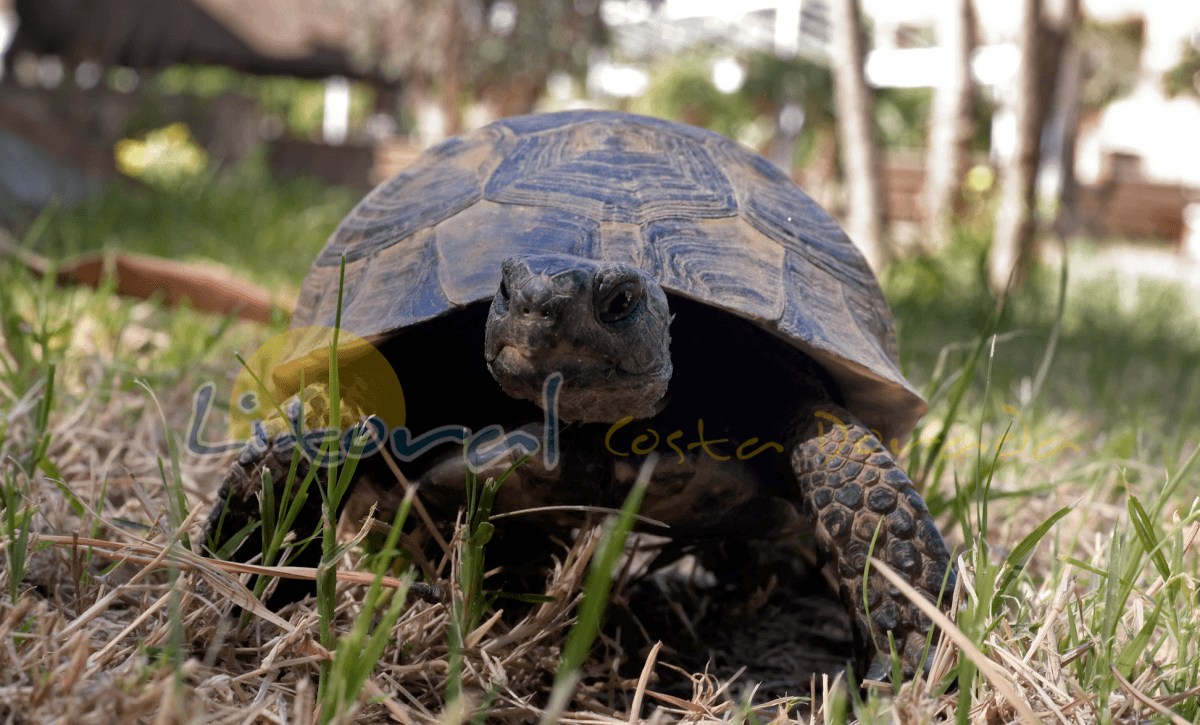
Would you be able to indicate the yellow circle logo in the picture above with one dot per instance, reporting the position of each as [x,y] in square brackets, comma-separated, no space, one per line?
[367,383]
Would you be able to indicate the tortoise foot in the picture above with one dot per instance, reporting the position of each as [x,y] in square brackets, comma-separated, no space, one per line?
[268,452]
[861,503]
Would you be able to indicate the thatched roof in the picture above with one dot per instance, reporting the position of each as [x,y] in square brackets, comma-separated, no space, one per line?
[306,38]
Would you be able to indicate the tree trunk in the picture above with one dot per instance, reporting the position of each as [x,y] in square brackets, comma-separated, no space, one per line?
[1062,102]
[1014,218]
[856,127]
[1071,79]
[1042,41]
[452,73]
[953,121]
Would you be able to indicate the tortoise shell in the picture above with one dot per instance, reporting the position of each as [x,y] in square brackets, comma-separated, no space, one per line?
[709,219]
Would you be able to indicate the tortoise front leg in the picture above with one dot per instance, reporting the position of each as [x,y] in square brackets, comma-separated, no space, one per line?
[855,493]
[695,495]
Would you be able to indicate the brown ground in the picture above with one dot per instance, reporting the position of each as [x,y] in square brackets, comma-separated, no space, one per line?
[88,649]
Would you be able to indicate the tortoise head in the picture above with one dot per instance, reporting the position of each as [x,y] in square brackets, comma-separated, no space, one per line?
[602,325]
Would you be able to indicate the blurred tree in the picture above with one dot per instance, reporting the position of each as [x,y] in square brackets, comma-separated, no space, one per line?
[681,88]
[903,117]
[860,153]
[1185,77]
[774,83]
[419,42]
[1043,38]
[527,41]
[953,121]
[1061,134]
[498,51]
[1100,64]
[1113,59]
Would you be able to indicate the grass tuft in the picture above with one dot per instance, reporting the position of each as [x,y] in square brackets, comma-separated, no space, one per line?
[1062,452]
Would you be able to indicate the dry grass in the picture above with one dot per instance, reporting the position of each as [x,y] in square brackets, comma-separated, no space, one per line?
[86,643]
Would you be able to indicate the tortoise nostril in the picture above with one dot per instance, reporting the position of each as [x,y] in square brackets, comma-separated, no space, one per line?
[524,310]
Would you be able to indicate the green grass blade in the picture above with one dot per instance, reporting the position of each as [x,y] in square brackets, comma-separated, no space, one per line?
[358,652]
[595,595]
[1055,331]
[1174,482]
[72,500]
[1135,648]
[957,395]
[18,552]
[1016,561]
[1144,528]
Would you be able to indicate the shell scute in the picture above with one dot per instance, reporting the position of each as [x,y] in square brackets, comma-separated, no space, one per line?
[472,245]
[618,171]
[442,182]
[718,260]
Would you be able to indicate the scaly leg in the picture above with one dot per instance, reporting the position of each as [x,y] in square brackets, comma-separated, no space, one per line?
[855,493]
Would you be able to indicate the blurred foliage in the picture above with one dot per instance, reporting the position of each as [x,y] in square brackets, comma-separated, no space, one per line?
[501,49]
[985,109]
[902,116]
[266,230]
[409,39]
[1114,57]
[165,156]
[1126,344]
[298,104]
[682,88]
[1184,78]
[531,38]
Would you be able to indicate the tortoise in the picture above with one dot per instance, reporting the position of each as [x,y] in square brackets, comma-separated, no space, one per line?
[670,290]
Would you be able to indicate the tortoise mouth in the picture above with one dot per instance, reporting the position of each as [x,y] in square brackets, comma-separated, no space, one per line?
[516,367]
[513,363]
[594,388]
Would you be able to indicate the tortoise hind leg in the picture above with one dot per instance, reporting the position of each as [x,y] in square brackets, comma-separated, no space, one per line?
[237,505]
[855,494]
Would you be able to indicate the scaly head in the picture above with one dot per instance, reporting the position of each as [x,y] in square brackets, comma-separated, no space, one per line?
[603,325]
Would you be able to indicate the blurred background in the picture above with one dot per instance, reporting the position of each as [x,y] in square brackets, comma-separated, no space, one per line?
[243,130]
[1023,175]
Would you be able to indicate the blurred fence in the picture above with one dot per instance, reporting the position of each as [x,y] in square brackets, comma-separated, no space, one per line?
[1121,204]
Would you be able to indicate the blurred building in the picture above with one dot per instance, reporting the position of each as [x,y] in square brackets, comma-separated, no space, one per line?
[72,64]
[71,68]
[302,38]
[75,65]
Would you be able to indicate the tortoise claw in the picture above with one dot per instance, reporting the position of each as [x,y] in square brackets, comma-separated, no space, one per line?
[879,669]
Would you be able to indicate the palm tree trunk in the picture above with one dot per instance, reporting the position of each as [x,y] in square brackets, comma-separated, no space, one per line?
[1072,76]
[953,120]
[452,74]
[856,127]
[1043,42]
[1014,218]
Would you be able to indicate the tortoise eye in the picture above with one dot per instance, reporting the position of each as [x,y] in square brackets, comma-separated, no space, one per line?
[620,304]
[504,290]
